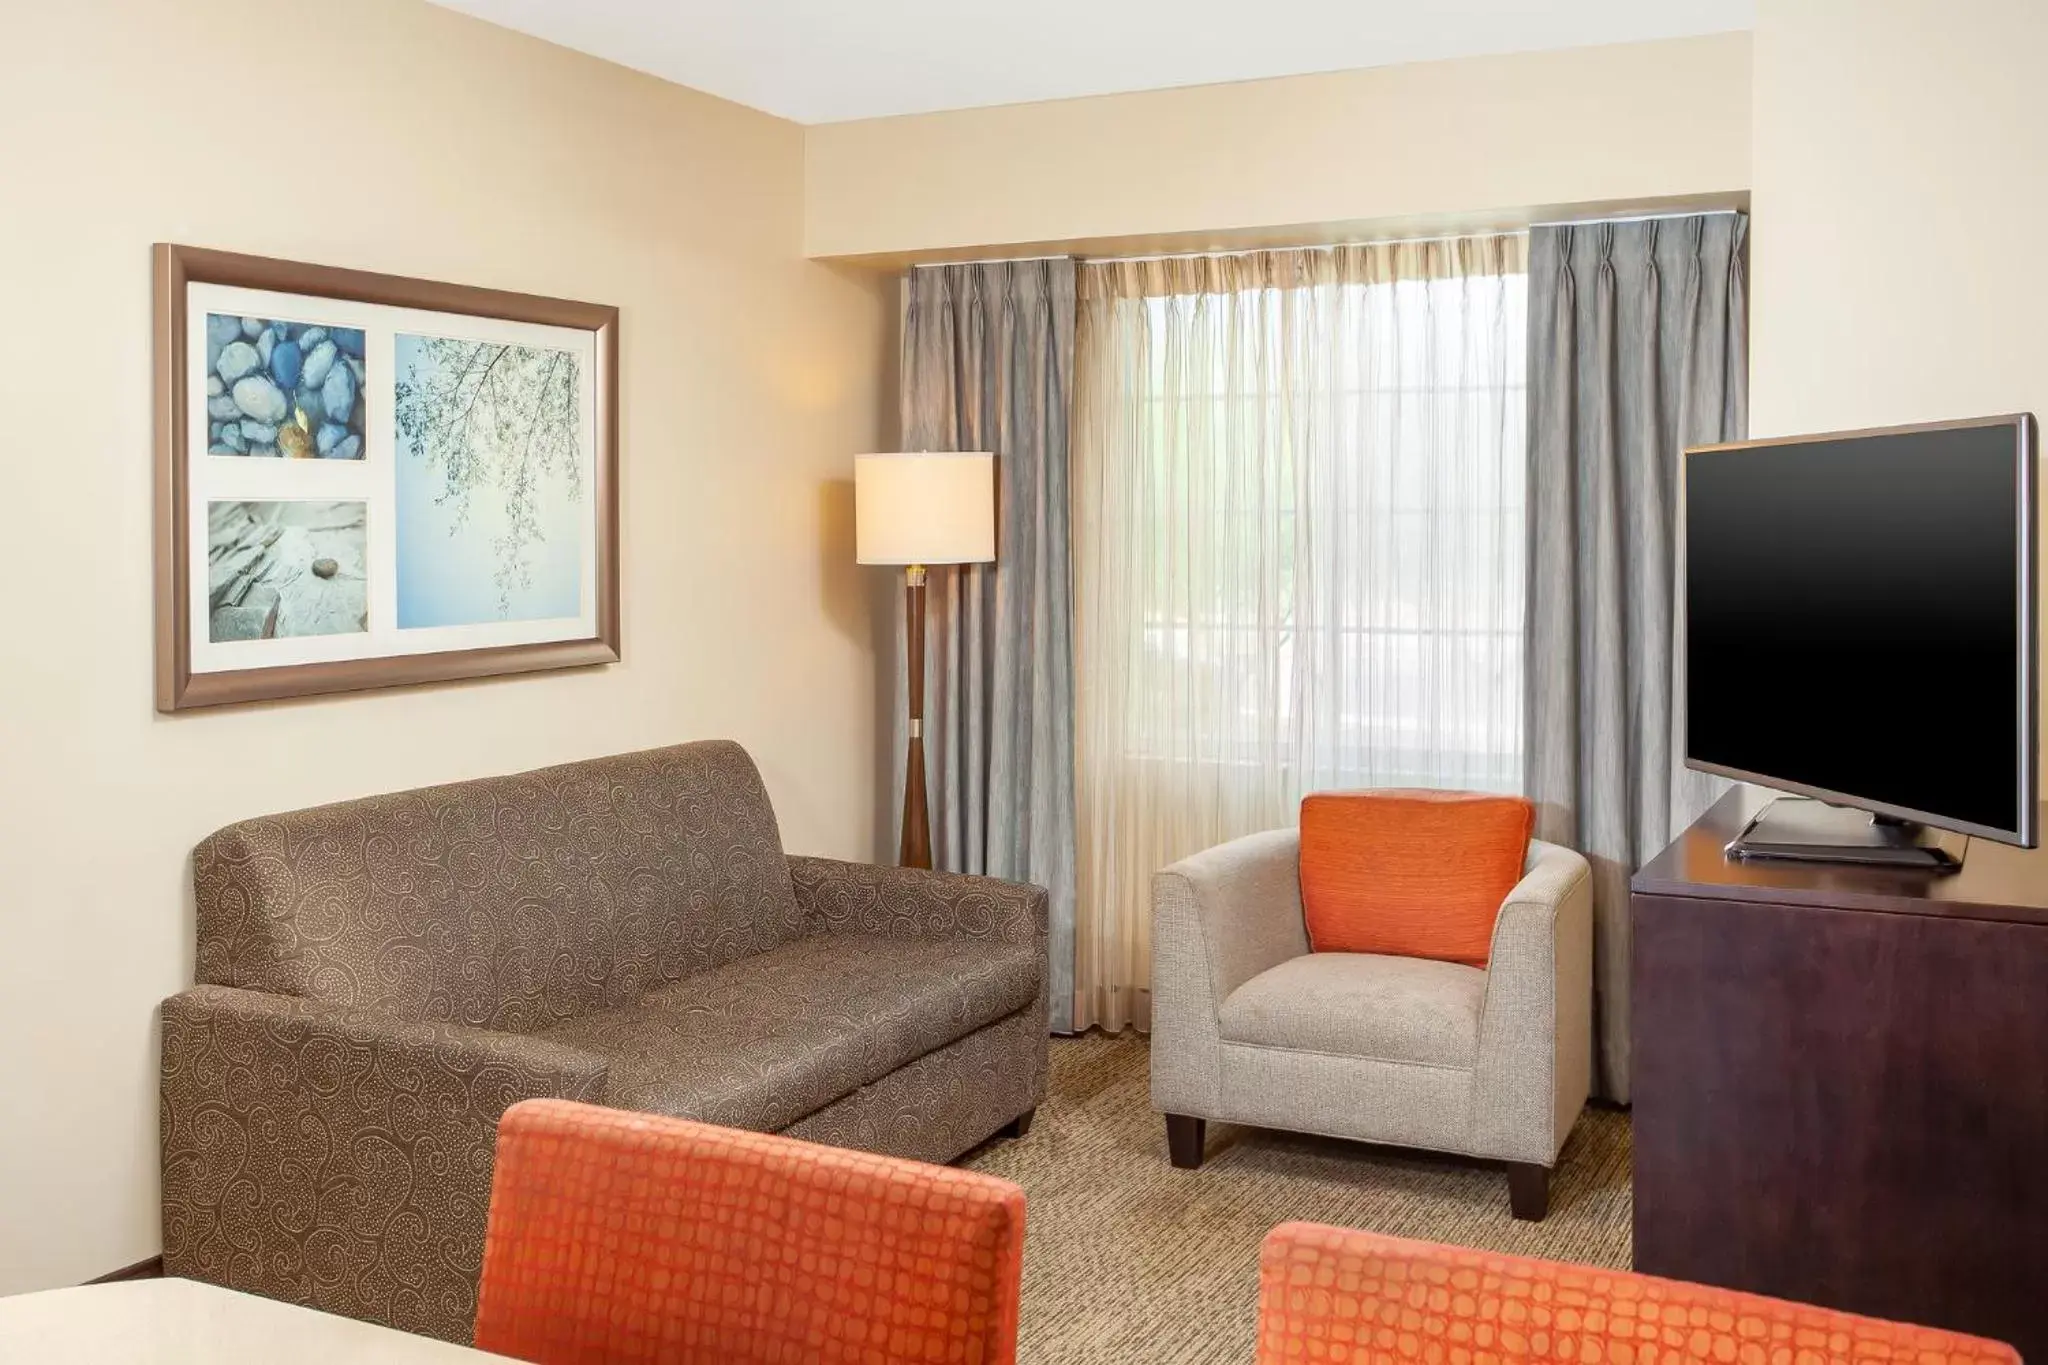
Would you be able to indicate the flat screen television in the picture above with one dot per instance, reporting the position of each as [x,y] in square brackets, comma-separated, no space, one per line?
[1860,629]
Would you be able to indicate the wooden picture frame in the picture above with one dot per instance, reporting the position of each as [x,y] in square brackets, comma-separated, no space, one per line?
[196,664]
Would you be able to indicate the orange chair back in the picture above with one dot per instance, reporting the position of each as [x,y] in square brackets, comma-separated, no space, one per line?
[626,1239]
[1334,1295]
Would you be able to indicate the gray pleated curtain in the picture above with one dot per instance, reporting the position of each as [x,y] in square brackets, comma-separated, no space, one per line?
[1638,349]
[988,363]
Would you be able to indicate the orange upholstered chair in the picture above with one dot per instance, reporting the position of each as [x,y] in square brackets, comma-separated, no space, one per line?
[1332,1295]
[627,1239]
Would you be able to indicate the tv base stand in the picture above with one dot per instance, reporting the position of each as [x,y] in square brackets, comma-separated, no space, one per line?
[1800,829]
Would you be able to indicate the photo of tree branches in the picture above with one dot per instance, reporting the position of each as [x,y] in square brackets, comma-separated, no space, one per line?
[491,449]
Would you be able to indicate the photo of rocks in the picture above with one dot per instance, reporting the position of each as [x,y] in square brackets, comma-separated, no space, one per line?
[283,389]
[286,568]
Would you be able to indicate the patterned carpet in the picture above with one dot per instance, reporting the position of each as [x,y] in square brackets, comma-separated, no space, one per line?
[1128,1260]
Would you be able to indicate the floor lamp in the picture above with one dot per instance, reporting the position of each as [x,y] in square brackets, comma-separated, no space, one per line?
[916,511]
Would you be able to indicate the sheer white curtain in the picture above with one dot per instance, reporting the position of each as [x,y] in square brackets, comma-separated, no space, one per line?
[1299,548]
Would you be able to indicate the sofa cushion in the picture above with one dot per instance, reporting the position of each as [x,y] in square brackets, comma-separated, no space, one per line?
[507,903]
[762,1042]
[1416,873]
[1397,1009]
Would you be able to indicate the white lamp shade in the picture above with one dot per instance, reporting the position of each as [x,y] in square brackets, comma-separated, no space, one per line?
[932,508]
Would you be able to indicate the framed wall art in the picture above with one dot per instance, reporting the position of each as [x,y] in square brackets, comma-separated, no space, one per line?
[365,481]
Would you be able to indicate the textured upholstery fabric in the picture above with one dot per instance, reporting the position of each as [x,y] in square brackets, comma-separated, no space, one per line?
[945,1102]
[508,903]
[1246,896]
[1334,1294]
[625,1239]
[633,934]
[1219,918]
[337,1157]
[1409,873]
[1400,1009]
[1232,913]
[1535,1032]
[764,1041]
[1371,1099]
[904,902]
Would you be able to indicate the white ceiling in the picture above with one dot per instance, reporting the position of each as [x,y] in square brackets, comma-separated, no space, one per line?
[820,61]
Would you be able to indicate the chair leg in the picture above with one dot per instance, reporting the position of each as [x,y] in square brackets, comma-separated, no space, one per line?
[1184,1138]
[1019,1126]
[1528,1190]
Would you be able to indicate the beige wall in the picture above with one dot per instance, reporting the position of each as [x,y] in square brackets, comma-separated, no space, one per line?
[389,135]
[1632,123]
[1899,204]
[1898,212]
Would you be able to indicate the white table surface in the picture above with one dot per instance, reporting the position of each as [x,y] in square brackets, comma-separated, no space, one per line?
[183,1322]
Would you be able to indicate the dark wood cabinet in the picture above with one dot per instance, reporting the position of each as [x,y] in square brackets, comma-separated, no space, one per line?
[1841,1081]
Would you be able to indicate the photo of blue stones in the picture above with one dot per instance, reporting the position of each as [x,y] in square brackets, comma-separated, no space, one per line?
[283,390]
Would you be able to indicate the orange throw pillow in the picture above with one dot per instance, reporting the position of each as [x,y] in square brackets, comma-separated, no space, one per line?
[1410,873]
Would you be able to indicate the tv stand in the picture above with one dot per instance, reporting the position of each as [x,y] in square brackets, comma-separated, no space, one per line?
[1841,1080]
[1800,829]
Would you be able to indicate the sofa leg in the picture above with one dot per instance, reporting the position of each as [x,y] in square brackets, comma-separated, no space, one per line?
[1528,1190]
[1184,1138]
[1019,1126]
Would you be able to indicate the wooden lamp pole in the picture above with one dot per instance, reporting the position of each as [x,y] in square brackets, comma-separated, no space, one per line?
[917,832]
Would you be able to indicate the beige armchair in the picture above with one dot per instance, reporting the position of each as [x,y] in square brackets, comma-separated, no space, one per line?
[1249,1026]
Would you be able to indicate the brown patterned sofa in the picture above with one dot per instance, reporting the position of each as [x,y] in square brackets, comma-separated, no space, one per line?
[381,979]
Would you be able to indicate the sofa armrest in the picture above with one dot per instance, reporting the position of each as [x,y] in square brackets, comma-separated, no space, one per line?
[1535,1025]
[1245,899]
[339,1157]
[1219,918]
[907,902]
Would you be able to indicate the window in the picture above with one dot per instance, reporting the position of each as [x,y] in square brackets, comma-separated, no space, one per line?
[1299,542]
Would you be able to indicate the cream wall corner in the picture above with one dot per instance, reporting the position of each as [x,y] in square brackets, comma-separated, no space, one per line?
[1625,124]
[1899,204]
[1898,213]
[393,136]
